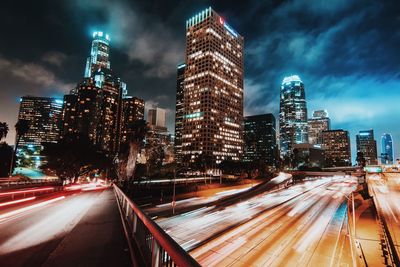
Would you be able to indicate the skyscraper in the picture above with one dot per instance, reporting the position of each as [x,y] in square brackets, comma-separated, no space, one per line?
[179,112]
[260,139]
[44,116]
[156,118]
[292,115]
[319,122]
[367,145]
[132,110]
[95,106]
[99,54]
[337,148]
[212,123]
[387,153]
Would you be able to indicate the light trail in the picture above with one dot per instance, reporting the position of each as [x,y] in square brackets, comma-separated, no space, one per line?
[9,215]
[26,191]
[16,201]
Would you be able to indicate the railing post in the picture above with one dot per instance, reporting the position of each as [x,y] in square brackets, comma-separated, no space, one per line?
[155,257]
[134,223]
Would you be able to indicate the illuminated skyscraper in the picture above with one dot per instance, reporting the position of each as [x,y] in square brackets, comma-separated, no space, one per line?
[99,54]
[387,153]
[132,110]
[260,139]
[292,115]
[212,122]
[367,145]
[319,122]
[179,112]
[44,116]
[95,106]
[337,148]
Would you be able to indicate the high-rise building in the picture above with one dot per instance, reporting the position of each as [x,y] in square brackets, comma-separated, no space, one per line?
[260,139]
[179,112]
[319,122]
[337,148]
[44,117]
[367,145]
[99,54]
[212,123]
[132,110]
[292,115]
[156,117]
[387,152]
[95,106]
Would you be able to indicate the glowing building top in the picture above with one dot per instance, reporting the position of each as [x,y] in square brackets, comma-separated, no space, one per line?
[99,53]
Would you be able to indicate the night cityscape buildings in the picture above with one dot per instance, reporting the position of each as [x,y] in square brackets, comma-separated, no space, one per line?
[319,122]
[99,105]
[44,117]
[337,148]
[367,145]
[212,123]
[260,139]
[292,114]
[387,152]
[179,111]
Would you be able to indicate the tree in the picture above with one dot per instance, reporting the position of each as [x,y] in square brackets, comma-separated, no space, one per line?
[6,152]
[126,161]
[21,127]
[3,130]
[73,156]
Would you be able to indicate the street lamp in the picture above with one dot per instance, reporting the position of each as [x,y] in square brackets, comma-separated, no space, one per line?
[176,170]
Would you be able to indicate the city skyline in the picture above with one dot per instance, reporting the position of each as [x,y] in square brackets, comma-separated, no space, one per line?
[59,64]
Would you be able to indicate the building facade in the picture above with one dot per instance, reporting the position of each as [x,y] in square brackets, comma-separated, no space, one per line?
[337,148]
[260,139]
[319,122]
[44,116]
[132,110]
[98,106]
[308,155]
[156,118]
[212,122]
[292,114]
[367,145]
[179,112]
[387,152]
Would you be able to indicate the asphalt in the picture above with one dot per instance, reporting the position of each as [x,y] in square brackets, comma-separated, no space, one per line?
[83,229]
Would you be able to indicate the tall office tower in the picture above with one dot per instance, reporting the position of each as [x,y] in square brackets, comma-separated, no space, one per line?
[292,114]
[319,122]
[44,116]
[367,145]
[179,112]
[157,117]
[94,107]
[99,54]
[212,123]
[337,148]
[387,152]
[132,110]
[260,139]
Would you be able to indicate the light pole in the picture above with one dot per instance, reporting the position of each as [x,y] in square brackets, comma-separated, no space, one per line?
[173,194]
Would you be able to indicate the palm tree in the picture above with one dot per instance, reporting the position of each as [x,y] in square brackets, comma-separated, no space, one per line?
[21,127]
[3,130]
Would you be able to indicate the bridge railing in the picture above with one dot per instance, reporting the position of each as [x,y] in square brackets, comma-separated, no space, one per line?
[156,248]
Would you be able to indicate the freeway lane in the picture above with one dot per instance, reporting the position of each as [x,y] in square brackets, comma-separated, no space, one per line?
[48,234]
[309,230]
[386,190]
[193,228]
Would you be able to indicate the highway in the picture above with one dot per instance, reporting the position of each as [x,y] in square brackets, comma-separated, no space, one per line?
[386,189]
[48,231]
[304,224]
[309,230]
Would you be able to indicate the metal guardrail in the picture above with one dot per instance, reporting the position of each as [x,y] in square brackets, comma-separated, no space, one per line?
[156,248]
[4,183]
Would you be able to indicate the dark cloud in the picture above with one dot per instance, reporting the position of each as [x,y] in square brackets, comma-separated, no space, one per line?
[345,51]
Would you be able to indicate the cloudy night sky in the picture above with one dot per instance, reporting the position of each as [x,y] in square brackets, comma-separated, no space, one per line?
[346,52]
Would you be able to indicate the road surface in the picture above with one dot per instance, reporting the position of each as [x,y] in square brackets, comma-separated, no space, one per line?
[309,230]
[81,229]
